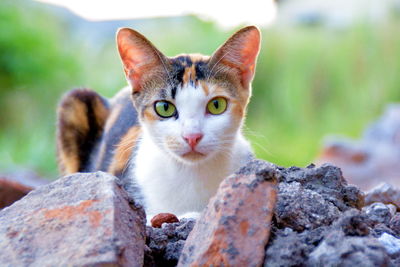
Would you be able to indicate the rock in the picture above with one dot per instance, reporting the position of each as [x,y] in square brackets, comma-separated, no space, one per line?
[394,224]
[372,159]
[161,218]
[300,208]
[11,191]
[390,243]
[235,226]
[381,228]
[378,212]
[392,209]
[78,220]
[353,239]
[291,248]
[14,186]
[353,223]
[328,182]
[384,193]
[340,250]
[312,197]
[165,244]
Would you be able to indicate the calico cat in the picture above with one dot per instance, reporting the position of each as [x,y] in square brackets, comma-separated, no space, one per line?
[175,133]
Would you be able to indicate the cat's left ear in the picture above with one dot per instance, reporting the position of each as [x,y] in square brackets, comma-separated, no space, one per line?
[141,59]
[240,53]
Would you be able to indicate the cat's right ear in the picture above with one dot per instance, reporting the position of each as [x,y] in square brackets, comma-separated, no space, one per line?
[140,58]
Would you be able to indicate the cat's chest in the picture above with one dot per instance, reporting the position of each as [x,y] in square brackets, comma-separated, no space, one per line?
[168,186]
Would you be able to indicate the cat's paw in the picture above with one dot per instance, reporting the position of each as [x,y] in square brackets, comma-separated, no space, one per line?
[193,214]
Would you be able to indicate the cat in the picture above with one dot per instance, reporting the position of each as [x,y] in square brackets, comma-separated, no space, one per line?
[174,133]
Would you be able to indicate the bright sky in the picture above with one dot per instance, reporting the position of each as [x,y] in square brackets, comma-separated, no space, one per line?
[226,13]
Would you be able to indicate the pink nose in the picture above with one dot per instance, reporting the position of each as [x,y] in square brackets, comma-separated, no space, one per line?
[193,139]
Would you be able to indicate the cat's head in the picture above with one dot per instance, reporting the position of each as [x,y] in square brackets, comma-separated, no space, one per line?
[191,105]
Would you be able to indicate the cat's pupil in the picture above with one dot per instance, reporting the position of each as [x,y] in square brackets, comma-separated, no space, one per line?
[166,106]
[216,104]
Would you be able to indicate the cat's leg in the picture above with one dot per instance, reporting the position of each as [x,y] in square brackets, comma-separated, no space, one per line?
[81,117]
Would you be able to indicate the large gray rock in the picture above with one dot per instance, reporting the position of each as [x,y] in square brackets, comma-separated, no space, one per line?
[78,220]
[166,243]
[311,197]
[348,251]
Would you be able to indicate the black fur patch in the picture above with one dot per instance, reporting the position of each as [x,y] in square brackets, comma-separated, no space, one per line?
[178,70]
[201,69]
[179,65]
[185,61]
[173,92]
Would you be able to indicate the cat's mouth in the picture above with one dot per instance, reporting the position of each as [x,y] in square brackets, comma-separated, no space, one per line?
[193,155]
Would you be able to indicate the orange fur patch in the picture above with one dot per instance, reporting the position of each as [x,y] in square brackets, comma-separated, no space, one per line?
[237,109]
[204,85]
[149,115]
[124,150]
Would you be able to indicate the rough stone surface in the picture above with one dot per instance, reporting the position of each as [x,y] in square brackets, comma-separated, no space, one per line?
[234,228]
[165,244]
[372,159]
[339,250]
[385,193]
[78,220]
[348,241]
[390,243]
[11,191]
[291,248]
[311,197]
[320,220]
[394,224]
[378,212]
[300,208]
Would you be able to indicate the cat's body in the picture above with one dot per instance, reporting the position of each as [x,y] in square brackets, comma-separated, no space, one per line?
[181,136]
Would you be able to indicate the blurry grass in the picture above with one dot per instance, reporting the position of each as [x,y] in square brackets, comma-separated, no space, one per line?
[310,82]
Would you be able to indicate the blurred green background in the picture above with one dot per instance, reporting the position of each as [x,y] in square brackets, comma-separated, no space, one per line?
[311,80]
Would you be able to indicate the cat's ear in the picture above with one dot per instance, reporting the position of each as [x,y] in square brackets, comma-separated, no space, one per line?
[140,58]
[240,53]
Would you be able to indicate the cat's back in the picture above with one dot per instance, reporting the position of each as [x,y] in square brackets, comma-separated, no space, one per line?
[94,133]
[121,131]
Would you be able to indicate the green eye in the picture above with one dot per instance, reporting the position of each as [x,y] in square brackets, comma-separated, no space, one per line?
[217,105]
[165,109]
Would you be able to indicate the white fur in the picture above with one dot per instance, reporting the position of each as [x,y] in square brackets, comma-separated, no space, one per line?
[169,182]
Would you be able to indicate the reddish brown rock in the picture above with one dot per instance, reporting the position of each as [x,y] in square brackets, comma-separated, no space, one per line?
[161,218]
[11,191]
[78,220]
[15,185]
[235,227]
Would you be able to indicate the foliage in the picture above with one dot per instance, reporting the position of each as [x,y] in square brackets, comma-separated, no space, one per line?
[35,66]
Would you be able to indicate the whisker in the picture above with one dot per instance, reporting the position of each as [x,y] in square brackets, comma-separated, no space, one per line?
[216,63]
